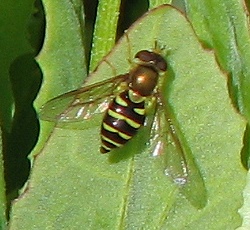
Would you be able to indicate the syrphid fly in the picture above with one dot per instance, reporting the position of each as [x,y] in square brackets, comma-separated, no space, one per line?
[124,100]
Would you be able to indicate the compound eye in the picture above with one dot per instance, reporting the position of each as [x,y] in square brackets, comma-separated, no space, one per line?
[145,56]
[161,64]
[152,59]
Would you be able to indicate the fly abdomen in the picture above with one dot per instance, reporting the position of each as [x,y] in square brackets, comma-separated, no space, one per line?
[125,115]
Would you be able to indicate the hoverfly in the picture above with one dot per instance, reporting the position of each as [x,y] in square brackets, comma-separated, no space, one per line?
[124,99]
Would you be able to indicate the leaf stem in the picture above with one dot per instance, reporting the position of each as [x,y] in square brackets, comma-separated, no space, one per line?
[105,30]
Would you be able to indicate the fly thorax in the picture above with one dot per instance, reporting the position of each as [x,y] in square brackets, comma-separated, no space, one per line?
[144,80]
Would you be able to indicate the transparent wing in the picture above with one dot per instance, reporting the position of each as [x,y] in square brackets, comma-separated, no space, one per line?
[167,141]
[84,102]
[164,142]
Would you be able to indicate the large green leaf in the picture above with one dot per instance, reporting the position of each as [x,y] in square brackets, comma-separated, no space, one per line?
[231,42]
[72,186]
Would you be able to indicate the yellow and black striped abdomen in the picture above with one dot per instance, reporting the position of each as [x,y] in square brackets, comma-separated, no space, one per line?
[125,115]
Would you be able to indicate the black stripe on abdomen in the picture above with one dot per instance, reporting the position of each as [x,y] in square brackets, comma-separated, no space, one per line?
[120,122]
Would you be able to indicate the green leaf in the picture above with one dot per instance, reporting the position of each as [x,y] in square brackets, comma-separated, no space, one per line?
[19,83]
[244,211]
[230,40]
[104,40]
[63,56]
[2,190]
[59,57]
[13,43]
[72,186]
[156,3]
